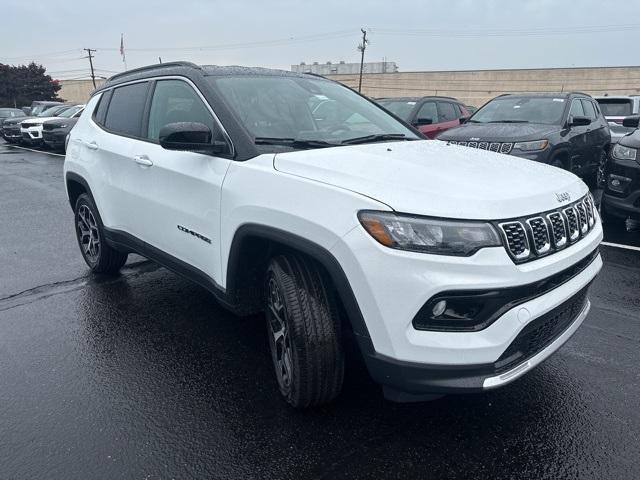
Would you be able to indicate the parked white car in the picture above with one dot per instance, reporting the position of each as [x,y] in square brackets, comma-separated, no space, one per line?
[31,129]
[456,270]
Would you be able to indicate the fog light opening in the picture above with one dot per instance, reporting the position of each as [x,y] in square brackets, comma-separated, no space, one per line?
[439,308]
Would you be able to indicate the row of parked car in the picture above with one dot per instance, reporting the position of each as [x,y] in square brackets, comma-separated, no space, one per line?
[591,137]
[594,138]
[43,124]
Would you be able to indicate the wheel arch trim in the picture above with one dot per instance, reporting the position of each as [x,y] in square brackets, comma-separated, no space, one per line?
[313,250]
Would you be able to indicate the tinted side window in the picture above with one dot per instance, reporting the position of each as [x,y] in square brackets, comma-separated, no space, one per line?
[428,110]
[589,111]
[576,109]
[175,101]
[126,109]
[101,109]
[447,112]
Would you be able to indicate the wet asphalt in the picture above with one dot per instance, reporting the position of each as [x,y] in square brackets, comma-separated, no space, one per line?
[145,376]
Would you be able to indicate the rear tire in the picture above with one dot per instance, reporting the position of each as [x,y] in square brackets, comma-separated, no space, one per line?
[100,256]
[303,326]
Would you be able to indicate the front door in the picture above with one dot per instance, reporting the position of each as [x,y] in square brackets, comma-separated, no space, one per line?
[181,190]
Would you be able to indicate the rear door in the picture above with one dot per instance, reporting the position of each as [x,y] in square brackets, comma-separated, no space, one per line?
[178,192]
[113,146]
[598,135]
[448,116]
[427,111]
[579,147]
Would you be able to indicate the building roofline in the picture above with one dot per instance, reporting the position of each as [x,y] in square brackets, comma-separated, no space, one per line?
[472,70]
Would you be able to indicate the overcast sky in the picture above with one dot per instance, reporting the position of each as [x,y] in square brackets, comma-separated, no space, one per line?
[427,35]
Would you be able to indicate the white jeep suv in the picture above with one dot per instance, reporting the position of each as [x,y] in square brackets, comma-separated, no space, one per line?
[455,270]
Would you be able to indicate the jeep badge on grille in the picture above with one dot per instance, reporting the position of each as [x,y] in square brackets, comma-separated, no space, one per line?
[563,197]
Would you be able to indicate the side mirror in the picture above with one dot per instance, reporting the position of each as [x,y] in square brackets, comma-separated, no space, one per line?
[422,121]
[463,120]
[189,136]
[579,121]
[631,122]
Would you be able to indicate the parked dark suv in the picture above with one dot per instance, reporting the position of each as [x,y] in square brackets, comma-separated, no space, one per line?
[430,115]
[621,199]
[566,130]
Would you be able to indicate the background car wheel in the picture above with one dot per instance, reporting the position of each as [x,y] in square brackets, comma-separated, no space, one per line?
[100,257]
[304,331]
[598,178]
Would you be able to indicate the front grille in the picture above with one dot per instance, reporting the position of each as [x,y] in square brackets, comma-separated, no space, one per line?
[28,125]
[491,146]
[48,126]
[542,331]
[532,237]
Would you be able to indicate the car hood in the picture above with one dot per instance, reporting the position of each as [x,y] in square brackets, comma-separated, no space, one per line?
[40,120]
[56,122]
[499,132]
[437,179]
[16,120]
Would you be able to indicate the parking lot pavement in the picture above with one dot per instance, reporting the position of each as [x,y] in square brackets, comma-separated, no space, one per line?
[145,376]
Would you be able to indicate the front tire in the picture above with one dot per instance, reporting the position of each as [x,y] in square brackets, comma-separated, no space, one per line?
[303,326]
[100,257]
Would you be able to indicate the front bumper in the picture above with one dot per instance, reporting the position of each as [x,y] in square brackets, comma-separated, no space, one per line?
[624,200]
[391,286]
[54,138]
[12,133]
[32,134]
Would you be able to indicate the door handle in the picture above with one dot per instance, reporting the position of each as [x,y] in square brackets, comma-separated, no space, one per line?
[91,145]
[143,160]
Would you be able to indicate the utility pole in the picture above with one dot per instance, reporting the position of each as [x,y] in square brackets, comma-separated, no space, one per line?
[90,57]
[362,47]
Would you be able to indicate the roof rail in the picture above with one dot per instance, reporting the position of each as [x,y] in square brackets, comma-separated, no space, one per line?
[153,67]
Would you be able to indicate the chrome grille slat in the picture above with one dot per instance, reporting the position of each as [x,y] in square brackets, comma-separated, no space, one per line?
[540,233]
[506,147]
[582,218]
[558,228]
[516,236]
[497,147]
[531,237]
[483,145]
[494,147]
[473,144]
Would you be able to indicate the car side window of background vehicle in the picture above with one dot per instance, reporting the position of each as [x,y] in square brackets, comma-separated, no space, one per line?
[447,112]
[427,114]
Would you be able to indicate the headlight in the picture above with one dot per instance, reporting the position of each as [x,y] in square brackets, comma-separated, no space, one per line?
[429,235]
[531,146]
[624,153]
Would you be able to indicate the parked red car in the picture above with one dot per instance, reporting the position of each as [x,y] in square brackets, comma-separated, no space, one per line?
[430,115]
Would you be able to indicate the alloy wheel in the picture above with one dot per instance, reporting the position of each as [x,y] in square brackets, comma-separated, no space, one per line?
[88,234]
[279,338]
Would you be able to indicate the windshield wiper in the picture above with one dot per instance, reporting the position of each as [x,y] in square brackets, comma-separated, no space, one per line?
[509,121]
[380,137]
[294,142]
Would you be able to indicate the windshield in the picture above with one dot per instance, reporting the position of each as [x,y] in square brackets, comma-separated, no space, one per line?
[544,110]
[7,113]
[401,108]
[615,107]
[52,111]
[71,111]
[302,109]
